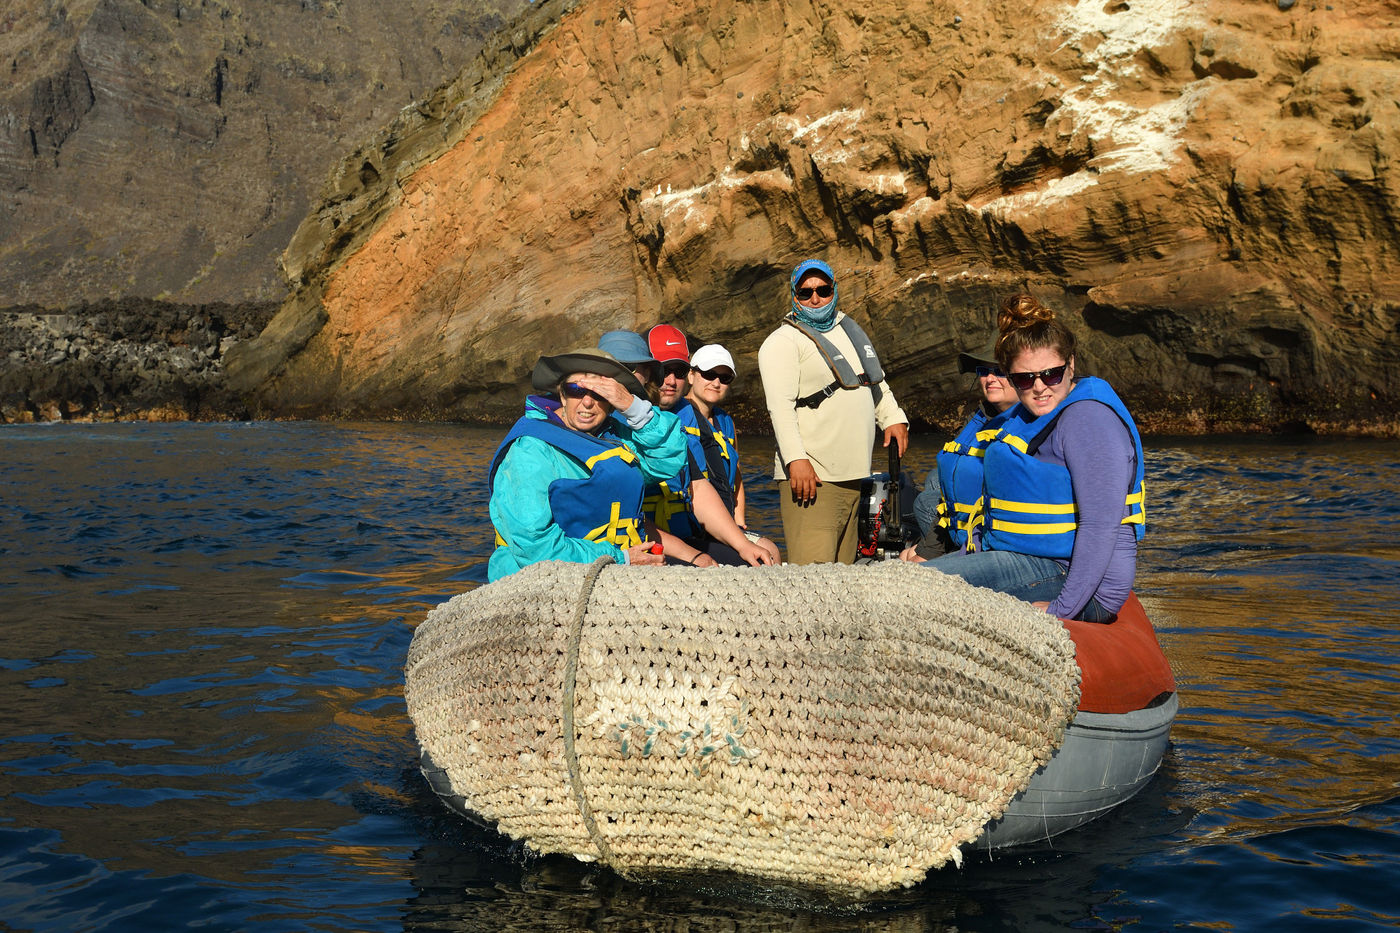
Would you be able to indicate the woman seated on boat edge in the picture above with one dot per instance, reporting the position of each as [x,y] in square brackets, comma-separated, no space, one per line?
[948,510]
[685,512]
[566,483]
[713,439]
[1062,480]
[633,351]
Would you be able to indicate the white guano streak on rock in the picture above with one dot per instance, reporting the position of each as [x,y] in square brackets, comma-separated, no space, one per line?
[684,203]
[1131,140]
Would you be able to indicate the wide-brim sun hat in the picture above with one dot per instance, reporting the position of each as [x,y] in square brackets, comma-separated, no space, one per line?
[552,370]
[969,360]
[711,355]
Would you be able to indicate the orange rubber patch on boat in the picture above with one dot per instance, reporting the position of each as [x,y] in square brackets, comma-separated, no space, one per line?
[1123,666]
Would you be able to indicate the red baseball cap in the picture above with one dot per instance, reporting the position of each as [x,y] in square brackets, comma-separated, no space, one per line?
[667,343]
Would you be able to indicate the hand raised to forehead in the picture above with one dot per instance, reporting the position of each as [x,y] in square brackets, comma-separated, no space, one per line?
[605,387]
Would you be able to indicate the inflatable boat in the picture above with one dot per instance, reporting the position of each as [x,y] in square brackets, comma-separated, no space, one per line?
[845,729]
[1115,742]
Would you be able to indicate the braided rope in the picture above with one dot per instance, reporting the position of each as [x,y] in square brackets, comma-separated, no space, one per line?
[840,727]
[567,710]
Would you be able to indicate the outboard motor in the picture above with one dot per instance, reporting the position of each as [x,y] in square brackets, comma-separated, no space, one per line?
[886,522]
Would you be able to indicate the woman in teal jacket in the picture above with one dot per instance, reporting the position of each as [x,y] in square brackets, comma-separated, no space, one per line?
[567,481]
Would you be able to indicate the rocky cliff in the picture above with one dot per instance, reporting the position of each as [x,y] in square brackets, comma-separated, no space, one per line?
[155,158]
[1206,190]
[167,149]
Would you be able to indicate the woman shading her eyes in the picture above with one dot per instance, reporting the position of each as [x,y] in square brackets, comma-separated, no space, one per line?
[567,481]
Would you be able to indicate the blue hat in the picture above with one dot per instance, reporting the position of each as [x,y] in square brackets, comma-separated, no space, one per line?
[626,346]
[808,266]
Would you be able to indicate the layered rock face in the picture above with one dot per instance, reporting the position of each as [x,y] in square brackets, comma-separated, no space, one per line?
[167,149]
[1205,191]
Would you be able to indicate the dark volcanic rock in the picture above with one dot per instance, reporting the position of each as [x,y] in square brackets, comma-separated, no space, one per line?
[121,360]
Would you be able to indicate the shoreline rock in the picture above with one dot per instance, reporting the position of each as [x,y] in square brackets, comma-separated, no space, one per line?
[126,359]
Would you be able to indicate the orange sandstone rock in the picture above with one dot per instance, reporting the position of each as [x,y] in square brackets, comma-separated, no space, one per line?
[1204,190]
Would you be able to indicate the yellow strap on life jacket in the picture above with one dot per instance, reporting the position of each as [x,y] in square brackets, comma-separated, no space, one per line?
[620,531]
[664,504]
[1033,508]
[1022,528]
[723,444]
[1017,442]
[1138,499]
[976,517]
[621,452]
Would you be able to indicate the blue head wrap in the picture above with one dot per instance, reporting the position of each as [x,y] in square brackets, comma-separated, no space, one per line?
[820,319]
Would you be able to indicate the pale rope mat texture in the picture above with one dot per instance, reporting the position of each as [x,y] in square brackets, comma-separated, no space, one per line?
[840,727]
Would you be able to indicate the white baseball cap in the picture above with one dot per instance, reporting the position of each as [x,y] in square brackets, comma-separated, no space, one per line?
[711,355]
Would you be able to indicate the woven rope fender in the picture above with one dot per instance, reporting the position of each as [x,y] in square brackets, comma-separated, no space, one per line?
[840,727]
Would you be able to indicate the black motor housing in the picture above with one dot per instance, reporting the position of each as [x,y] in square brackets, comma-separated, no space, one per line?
[887,524]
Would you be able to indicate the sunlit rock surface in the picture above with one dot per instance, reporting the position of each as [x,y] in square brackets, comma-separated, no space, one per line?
[1205,190]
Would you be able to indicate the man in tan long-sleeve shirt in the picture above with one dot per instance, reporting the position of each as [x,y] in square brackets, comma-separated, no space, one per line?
[826,396]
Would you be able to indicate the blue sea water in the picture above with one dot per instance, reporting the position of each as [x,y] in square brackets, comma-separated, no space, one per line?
[203,727]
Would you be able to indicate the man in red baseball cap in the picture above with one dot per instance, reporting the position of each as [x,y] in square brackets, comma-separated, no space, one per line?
[668,347]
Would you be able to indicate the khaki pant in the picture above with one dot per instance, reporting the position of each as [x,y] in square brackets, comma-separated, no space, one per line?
[825,530]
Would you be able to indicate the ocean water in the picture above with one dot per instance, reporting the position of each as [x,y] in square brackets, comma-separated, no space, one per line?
[203,727]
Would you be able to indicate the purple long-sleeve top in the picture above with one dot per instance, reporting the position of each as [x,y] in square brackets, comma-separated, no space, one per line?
[1095,445]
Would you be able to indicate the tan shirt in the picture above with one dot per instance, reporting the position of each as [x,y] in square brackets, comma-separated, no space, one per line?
[838,437]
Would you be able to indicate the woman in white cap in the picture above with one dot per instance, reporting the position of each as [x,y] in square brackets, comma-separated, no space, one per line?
[567,481]
[714,445]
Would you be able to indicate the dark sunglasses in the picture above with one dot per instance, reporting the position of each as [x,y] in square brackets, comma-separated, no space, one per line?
[1051,377]
[675,368]
[574,390]
[985,371]
[645,372]
[821,291]
[710,375]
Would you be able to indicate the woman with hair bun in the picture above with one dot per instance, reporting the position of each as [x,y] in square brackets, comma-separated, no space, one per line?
[1062,480]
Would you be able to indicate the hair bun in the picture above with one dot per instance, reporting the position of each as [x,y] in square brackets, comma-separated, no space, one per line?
[1020,311]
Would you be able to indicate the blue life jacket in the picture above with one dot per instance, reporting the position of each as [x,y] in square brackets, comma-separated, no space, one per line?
[1030,505]
[960,505]
[606,505]
[668,505]
[714,444]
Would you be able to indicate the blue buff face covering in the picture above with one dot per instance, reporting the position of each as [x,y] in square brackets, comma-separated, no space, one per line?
[820,319]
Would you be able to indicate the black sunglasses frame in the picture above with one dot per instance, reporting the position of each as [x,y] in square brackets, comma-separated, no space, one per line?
[1051,377]
[985,371]
[574,390]
[713,374]
[821,291]
[677,368]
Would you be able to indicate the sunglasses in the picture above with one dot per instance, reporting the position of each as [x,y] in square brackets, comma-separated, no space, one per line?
[574,390]
[675,368]
[710,375]
[821,291]
[1051,377]
[984,371]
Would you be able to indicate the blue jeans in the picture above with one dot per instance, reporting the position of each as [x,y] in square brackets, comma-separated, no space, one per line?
[926,503]
[1033,579]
